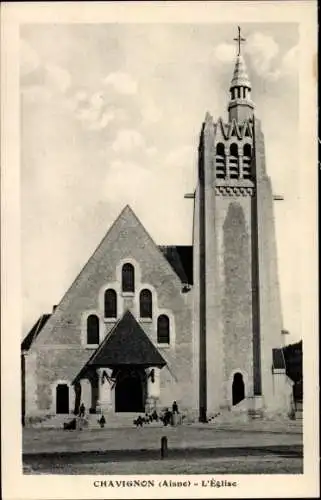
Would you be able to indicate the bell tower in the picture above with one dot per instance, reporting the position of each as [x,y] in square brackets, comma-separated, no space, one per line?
[237,309]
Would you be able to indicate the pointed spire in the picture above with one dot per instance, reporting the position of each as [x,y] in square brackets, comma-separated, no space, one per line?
[240,76]
[240,106]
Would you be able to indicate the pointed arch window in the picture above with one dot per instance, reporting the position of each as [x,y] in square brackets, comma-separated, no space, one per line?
[110,303]
[128,278]
[146,304]
[234,161]
[247,157]
[220,161]
[92,330]
[163,331]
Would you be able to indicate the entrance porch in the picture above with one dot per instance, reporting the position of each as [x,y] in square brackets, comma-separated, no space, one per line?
[126,389]
[122,375]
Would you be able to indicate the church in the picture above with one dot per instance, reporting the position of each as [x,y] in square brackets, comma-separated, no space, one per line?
[144,325]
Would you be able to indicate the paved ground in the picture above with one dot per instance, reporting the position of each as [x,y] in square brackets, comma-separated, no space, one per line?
[265,464]
[191,450]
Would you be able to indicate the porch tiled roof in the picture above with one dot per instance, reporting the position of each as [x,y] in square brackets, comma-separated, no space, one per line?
[127,344]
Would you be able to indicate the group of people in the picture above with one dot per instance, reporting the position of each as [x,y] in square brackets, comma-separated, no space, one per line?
[166,417]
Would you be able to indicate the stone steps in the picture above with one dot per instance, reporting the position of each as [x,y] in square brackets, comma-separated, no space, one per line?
[113,420]
[117,420]
[54,421]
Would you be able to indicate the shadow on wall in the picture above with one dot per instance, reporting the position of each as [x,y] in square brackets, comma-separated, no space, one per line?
[237,266]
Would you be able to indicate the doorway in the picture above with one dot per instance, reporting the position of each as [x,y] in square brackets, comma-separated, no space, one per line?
[238,391]
[130,391]
[62,398]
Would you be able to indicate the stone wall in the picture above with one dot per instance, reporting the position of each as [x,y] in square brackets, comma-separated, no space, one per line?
[60,349]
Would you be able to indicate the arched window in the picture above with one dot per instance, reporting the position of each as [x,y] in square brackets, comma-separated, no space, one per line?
[128,278]
[247,150]
[220,149]
[163,329]
[247,155]
[146,304]
[220,161]
[234,150]
[110,304]
[92,330]
[62,398]
[234,161]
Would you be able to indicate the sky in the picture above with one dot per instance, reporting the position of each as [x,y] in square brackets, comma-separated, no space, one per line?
[111,115]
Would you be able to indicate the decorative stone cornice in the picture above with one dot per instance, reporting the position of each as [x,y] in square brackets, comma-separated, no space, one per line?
[234,190]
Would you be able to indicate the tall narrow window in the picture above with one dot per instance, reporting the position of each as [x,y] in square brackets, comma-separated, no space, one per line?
[220,161]
[146,304]
[92,330]
[110,304]
[128,278]
[163,329]
[234,161]
[247,157]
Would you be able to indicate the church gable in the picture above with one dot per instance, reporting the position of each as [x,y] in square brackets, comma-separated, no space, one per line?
[247,129]
[234,131]
[221,132]
[126,243]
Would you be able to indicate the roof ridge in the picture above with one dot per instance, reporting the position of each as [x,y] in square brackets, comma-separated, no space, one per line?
[145,353]
[96,351]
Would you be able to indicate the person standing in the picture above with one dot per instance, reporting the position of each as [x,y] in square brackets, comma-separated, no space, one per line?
[82,410]
[174,407]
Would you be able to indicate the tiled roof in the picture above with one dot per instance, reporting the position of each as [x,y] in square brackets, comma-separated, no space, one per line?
[34,332]
[181,260]
[126,344]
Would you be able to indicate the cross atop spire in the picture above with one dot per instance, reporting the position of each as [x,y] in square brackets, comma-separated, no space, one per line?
[240,106]
[239,40]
